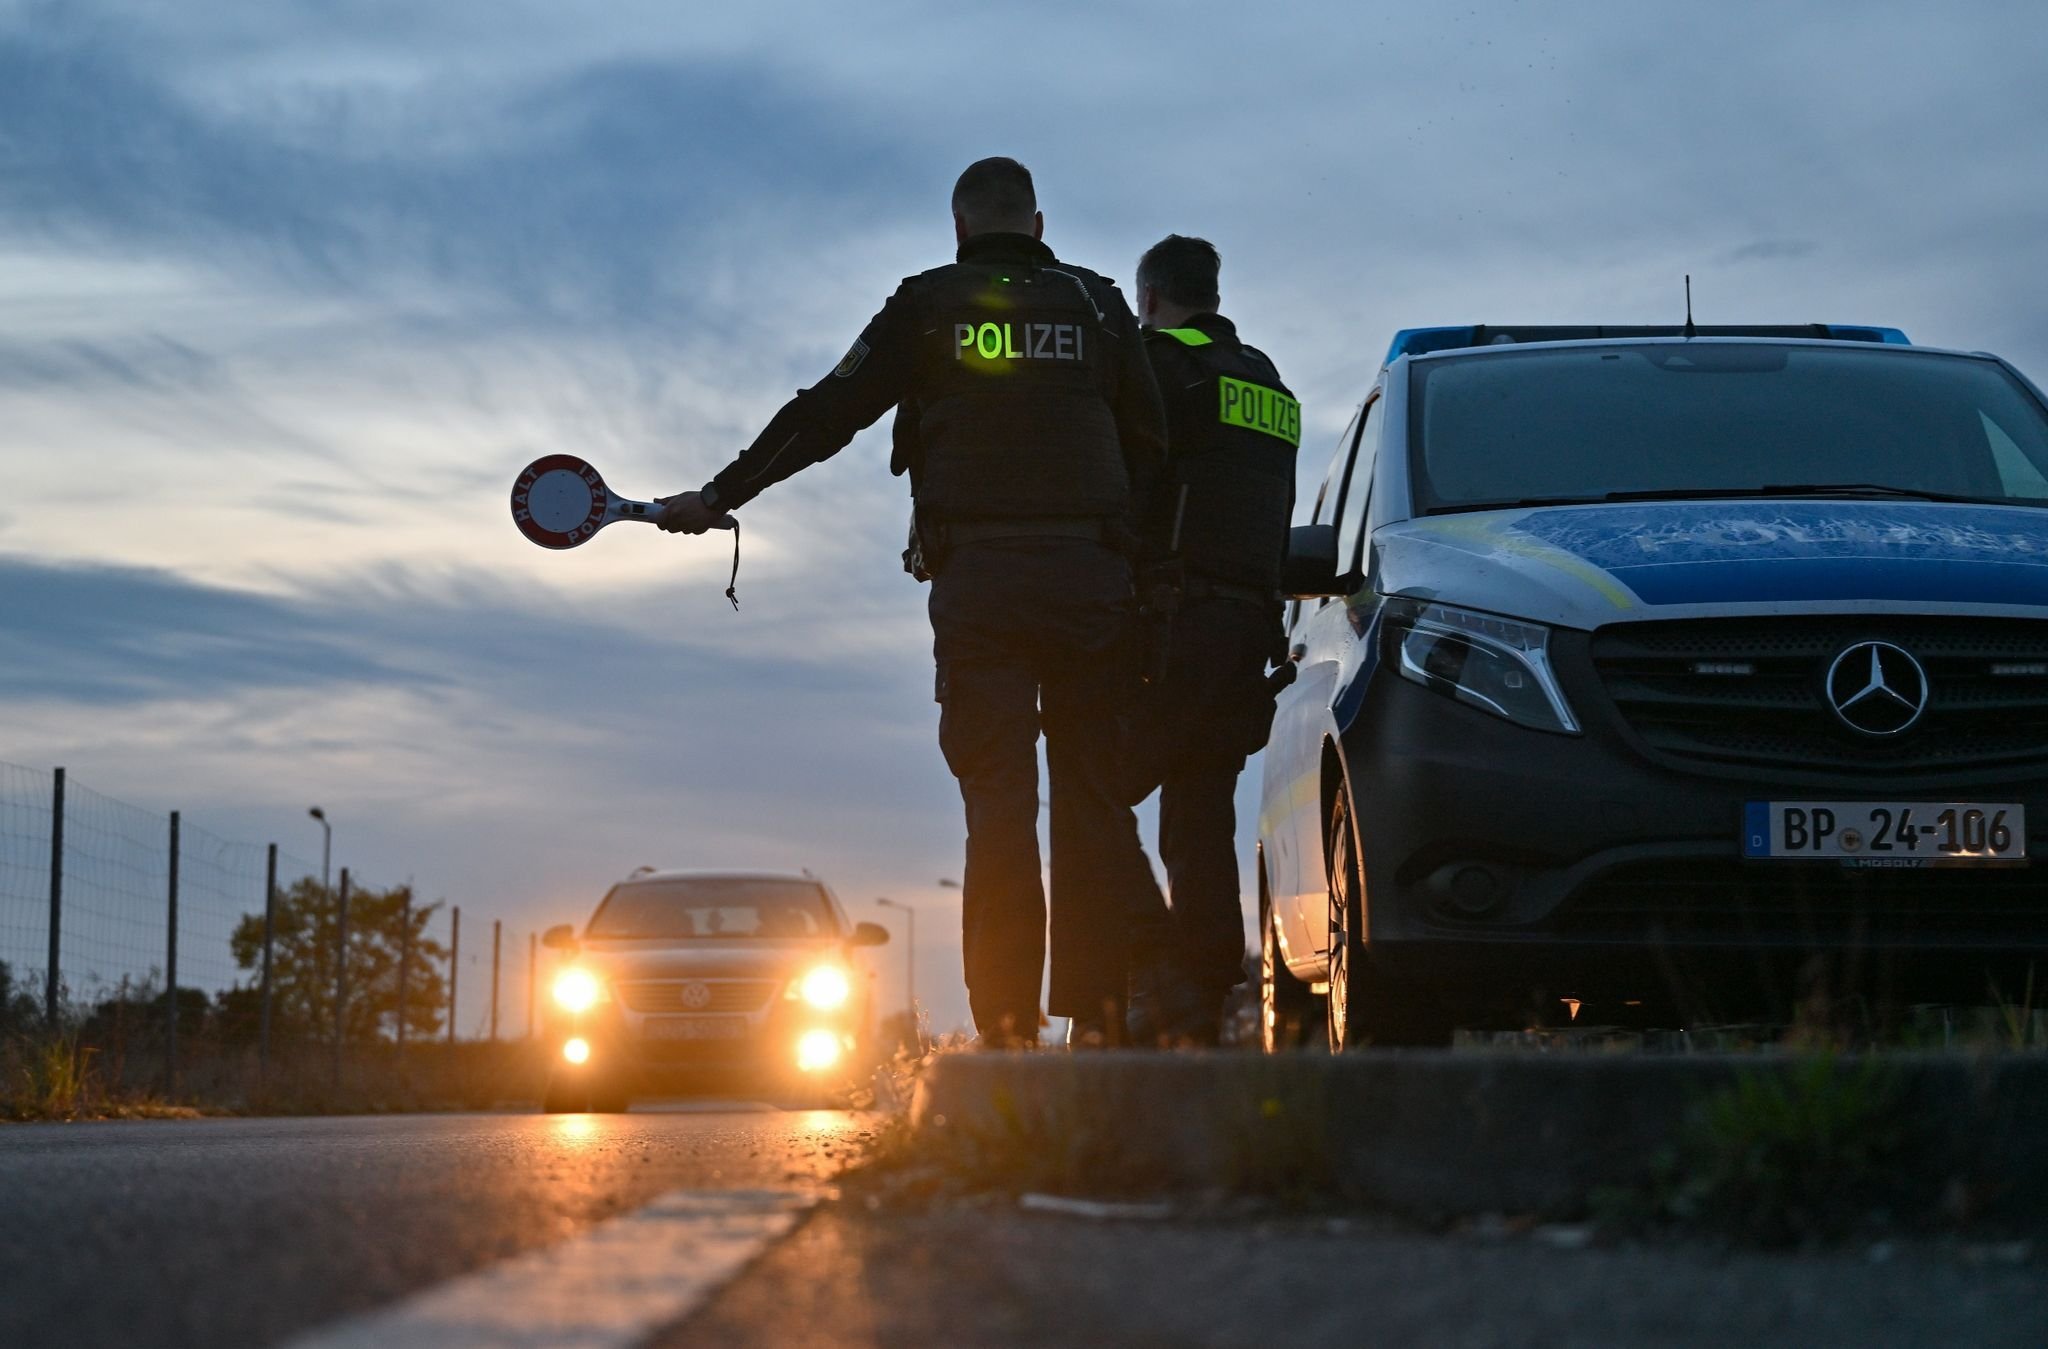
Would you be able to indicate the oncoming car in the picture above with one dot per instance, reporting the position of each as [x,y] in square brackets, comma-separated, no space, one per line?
[678,972]
[1674,674]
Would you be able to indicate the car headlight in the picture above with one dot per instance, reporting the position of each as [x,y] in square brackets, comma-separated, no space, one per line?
[825,988]
[1497,665]
[578,990]
[818,1050]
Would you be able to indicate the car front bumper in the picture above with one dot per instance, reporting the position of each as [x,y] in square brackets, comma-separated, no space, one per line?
[1499,859]
[646,1049]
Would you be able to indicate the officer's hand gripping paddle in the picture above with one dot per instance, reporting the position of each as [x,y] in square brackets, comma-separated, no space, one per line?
[560,501]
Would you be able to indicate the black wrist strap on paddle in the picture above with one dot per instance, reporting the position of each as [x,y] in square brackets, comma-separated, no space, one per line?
[732,585]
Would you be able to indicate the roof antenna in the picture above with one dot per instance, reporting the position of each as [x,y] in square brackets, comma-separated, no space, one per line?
[1690,330]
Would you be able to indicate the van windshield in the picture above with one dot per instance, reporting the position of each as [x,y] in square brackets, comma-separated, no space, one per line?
[715,908]
[1721,419]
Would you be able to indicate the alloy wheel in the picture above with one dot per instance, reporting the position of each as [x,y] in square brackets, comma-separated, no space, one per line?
[1343,913]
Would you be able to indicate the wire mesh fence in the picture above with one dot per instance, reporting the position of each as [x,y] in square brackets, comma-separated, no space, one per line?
[172,943]
[221,885]
[25,800]
[116,882]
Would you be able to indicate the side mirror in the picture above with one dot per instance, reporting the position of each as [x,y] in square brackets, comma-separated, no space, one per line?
[1309,570]
[868,934]
[560,937]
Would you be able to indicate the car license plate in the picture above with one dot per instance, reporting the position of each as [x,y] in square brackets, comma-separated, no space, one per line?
[696,1027]
[1886,833]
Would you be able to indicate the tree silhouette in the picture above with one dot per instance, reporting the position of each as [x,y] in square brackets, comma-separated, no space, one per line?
[303,962]
[18,1007]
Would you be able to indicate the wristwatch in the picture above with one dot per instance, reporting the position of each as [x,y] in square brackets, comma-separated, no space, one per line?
[710,495]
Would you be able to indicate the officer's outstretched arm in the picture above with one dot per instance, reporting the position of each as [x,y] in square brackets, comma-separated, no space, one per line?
[818,422]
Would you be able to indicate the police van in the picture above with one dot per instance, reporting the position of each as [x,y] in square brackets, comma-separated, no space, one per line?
[1659,673]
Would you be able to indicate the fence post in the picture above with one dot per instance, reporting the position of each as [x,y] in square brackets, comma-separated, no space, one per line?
[171,971]
[532,978]
[497,932]
[341,978]
[454,970]
[51,980]
[404,964]
[269,936]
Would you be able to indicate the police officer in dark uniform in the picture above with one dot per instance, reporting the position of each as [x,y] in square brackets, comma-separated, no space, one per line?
[1215,532]
[1030,425]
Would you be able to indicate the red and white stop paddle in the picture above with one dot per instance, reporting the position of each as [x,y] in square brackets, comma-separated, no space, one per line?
[560,501]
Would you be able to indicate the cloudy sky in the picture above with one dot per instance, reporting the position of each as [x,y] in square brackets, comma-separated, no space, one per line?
[289,292]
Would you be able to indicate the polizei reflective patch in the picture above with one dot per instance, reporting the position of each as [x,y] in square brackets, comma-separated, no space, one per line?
[1258,408]
[854,356]
[1018,341]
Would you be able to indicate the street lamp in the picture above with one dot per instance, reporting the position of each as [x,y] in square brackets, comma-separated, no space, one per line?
[948,883]
[909,956]
[326,842]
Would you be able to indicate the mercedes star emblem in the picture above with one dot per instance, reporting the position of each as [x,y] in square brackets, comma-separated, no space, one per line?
[1877,688]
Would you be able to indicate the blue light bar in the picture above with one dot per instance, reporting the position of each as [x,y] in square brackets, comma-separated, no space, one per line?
[1421,341]
[1417,341]
[1852,332]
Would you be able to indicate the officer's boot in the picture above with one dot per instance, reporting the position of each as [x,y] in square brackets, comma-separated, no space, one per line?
[1169,1007]
[1200,1024]
[1099,1030]
[1016,1030]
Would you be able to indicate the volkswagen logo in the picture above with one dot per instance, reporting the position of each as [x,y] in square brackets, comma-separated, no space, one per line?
[696,995]
[1877,688]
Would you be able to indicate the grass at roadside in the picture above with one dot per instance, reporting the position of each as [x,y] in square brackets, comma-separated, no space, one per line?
[56,1075]
[2000,1026]
[1813,1152]
[1071,1142]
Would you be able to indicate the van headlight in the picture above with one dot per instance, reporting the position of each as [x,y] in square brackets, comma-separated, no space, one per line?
[826,988]
[1497,665]
[578,990]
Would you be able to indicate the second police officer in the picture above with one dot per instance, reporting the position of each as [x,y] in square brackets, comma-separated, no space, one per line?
[1030,425]
[1215,533]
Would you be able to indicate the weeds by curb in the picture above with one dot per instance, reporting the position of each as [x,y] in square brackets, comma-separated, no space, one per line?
[1806,1151]
[1770,1150]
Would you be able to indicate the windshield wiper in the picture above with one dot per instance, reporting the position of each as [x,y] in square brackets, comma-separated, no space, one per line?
[1795,489]
[1800,489]
[1459,507]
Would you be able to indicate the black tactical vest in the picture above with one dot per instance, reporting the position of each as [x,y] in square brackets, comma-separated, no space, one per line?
[1229,493]
[1012,416]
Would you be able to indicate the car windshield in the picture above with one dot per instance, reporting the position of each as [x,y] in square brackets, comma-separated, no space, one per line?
[715,907]
[1721,419]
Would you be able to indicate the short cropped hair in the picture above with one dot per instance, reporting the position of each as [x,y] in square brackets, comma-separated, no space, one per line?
[994,194]
[1183,270]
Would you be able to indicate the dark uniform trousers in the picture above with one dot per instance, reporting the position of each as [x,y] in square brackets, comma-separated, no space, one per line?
[1031,635]
[1213,709]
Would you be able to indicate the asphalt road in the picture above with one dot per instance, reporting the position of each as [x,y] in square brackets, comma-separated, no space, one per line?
[244,1232]
[997,1278]
[241,1232]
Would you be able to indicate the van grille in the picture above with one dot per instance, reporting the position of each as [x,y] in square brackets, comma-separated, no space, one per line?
[1987,679]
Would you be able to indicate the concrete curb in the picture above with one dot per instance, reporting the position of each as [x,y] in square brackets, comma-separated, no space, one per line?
[1445,1134]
